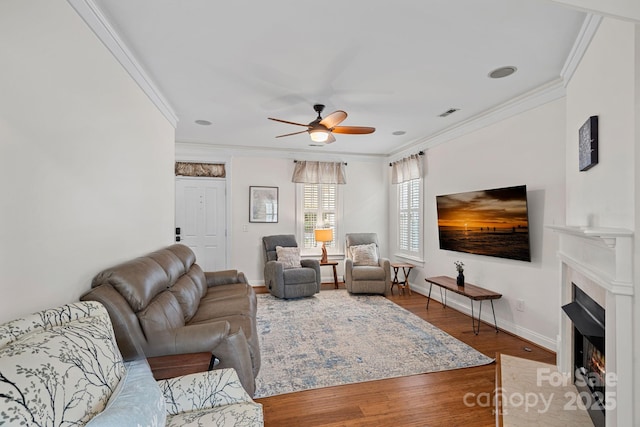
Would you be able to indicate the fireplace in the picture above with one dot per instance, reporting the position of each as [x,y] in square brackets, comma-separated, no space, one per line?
[589,364]
[598,262]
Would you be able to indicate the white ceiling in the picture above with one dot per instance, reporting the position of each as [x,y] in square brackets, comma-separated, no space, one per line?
[392,65]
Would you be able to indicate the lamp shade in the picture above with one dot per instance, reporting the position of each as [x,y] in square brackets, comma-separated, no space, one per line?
[323,234]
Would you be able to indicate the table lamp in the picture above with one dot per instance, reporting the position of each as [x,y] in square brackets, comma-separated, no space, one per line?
[323,235]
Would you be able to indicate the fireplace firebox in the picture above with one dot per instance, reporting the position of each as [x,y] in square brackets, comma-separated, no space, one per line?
[588,319]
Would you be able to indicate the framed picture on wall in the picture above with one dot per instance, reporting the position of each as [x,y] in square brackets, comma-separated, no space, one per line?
[263,204]
[588,144]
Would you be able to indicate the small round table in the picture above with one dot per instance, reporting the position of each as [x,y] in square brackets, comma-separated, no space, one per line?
[404,284]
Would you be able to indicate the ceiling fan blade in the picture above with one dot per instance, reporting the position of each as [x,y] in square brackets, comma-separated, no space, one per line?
[334,119]
[330,139]
[289,134]
[353,129]
[288,122]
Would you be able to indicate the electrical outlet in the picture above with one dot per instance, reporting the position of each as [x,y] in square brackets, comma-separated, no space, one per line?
[245,228]
[520,305]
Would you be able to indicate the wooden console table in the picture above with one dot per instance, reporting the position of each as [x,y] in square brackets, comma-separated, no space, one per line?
[473,292]
[335,273]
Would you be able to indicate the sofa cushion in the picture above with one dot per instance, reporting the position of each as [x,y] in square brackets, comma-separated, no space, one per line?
[224,300]
[138,281]
[170,263]
[364,254]
[197,275]
[162,314]
[188,295]
[137,401]
[58,365]
[289,257]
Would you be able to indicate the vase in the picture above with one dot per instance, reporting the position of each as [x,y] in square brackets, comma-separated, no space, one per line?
[460,279]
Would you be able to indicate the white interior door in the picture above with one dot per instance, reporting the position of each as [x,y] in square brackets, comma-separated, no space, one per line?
[201,219]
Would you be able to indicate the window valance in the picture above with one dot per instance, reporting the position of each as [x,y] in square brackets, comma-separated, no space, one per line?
[200,169]
[310,172]
[407,169]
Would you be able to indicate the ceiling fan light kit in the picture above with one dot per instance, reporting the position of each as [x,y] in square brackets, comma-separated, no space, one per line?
[321,130]
[319,135]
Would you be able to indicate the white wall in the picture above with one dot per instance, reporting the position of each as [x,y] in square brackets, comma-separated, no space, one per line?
[365,209]
[86,160]
[607,84]
[603,86]
[525,149]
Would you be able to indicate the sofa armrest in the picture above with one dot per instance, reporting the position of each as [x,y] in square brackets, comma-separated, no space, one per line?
[224,277]
[188,339]
[203,390]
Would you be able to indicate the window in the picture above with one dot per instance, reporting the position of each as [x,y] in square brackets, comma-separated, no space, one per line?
[410,218]
[318,206]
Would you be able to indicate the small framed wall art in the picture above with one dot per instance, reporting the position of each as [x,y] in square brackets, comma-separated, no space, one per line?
[588,144]
[263,204]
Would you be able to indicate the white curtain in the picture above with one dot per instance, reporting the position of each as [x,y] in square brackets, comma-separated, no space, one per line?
[319,173]
[406,169]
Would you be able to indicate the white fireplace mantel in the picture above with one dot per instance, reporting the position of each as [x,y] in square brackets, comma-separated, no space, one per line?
[599,261]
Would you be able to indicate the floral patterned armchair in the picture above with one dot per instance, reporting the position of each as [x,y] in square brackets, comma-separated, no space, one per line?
[62,367]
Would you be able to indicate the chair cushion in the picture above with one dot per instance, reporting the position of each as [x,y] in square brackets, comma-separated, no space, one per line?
[137,401]
[290,257]
[368,272]
[296,276]
[364,254]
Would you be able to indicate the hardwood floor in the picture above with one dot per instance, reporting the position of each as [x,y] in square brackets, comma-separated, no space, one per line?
[435,399]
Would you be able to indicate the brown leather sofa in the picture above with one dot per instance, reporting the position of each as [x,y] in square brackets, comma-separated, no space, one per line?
[163,304]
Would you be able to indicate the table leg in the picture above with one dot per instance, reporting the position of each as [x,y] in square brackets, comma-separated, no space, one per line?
[406,272]
[473,319]
[429,296]
[494,317]
[335,277]
[395,281]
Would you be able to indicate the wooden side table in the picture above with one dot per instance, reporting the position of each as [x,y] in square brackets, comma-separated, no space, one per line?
[473,292]
[404,284]
[335,274]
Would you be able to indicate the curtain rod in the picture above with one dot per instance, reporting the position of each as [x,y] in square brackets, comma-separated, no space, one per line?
[344,163]
[420,153]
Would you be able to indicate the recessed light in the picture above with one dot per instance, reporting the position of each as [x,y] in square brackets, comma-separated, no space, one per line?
[203,122]
[399,132]
[501,72]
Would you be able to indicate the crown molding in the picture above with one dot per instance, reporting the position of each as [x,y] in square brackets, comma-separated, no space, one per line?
[587,31]
[94,18]
[544,94]
[192,150]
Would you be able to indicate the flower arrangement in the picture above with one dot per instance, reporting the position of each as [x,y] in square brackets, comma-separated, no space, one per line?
[459,266]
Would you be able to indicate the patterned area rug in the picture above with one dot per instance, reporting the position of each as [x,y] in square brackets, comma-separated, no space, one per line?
[337,338]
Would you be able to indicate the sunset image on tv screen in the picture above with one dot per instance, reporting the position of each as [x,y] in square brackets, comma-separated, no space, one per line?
[488,222]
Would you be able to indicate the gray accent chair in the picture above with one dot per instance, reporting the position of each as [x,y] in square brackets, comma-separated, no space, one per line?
[366,279]
[290,282]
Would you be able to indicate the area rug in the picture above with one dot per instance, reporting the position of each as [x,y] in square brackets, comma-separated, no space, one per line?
[336,338]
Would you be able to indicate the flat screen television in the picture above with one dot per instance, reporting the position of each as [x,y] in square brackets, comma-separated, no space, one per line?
[489,222]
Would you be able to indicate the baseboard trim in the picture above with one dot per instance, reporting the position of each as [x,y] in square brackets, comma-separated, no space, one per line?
[487,317]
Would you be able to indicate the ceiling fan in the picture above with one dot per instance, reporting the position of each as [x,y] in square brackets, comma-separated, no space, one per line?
[321,130]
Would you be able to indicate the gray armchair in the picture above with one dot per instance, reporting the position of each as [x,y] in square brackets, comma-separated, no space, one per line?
[365,272]
[303,281]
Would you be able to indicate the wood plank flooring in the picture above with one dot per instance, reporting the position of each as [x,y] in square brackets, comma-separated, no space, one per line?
[435,399]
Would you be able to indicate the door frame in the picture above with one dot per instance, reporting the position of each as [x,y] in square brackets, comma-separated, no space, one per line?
[203,157]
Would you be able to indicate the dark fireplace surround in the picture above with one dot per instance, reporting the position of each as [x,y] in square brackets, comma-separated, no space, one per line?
[588,319]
